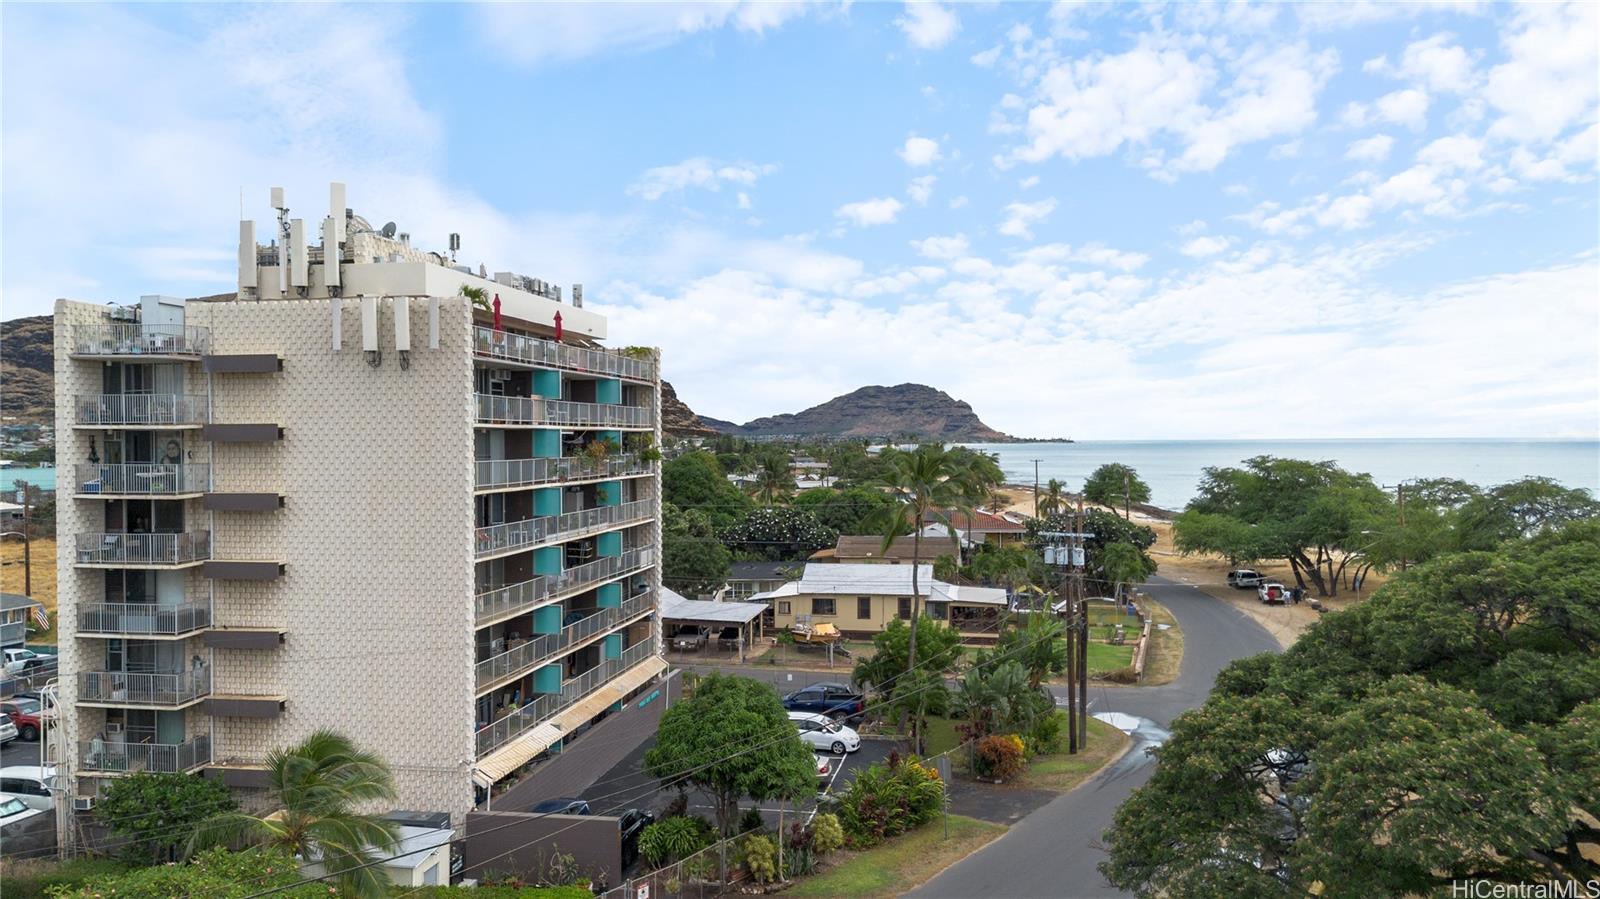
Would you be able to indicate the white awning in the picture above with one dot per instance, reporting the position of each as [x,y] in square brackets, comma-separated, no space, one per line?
[677,608]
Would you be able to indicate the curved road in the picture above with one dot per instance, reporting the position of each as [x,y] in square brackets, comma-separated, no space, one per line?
[1053,852]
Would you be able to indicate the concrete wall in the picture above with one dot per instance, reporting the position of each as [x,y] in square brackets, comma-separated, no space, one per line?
[522,843]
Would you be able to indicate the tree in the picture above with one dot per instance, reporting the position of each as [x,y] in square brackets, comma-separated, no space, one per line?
[692,560]
[1125,564]
[696,481]
[853,510]
[1520,509]
[774,485]
[926,483]
[999,698]
[1053,498]
[1012,566]
[778,534]
[314,788]
[1038,646]
[887,673]
[155,813]
[1105,529]
[733,739]
[212,874]
[1115,484]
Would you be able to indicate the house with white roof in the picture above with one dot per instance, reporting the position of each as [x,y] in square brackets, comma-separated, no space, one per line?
[861,599]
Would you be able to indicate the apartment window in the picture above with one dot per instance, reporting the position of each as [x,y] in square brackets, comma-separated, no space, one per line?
[821,606]
[863,607]
[936,611]
[783,607]
[905,607]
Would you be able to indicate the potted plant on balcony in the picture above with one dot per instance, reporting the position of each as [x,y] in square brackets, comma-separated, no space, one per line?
[643,446]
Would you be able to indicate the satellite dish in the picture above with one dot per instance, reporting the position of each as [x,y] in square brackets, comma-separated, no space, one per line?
[388,230]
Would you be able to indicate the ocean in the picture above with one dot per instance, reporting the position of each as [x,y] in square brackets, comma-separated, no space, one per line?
[1173,468]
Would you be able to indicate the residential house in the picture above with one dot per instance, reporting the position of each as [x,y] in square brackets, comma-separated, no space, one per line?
[862,599]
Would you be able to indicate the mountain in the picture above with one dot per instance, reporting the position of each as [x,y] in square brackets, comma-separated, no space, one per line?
[28,368]
[678,420]
[889,412]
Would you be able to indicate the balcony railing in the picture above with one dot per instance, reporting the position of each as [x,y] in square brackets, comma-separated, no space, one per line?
[172,689]
[161,758]
[135,339]
[498,538]
[13,633]
[495,473]
[142,618]
[540,649]
[538,410]
[503,601]
[144,549]
[524,719]
[491,344]
[143,478]
[140,409]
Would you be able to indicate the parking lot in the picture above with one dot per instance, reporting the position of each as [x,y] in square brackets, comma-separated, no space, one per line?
[20,752]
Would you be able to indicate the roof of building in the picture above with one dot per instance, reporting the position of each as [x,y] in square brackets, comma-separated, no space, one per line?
[10,601]
[676,607]
[856,546]
[854,579]
[763,571]
[984,522]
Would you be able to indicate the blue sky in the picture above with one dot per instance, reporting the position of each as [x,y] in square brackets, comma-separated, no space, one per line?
[1096,221]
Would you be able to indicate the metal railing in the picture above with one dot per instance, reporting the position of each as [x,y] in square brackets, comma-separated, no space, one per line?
[142,618]
[172,689]
[129,409]
[497,538]
[143,478]
[540,649]
[547,353]
[136,339]
[500,601]
[493,473]
[524,719]
[161,758]
[144,549]
[538,410]
[13,632]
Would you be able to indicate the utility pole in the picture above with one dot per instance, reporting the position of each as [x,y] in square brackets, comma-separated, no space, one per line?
[1072,669]
[1083,635]
[1036,487]
[27,539]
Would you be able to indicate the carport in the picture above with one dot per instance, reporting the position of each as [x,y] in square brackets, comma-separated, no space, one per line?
[677,611]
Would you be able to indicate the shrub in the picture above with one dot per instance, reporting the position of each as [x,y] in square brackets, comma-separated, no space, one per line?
[751,820]
[34,878]
[671,838]
[888,800]
[155,813]
[215,873]
[826,834]
[1000,756]
[1045,736]
[759,855]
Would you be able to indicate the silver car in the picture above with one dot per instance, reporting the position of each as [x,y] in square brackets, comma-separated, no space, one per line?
[8,728]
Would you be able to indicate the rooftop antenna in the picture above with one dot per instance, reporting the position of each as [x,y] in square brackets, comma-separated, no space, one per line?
[283,230]
[455,244]
[388,230]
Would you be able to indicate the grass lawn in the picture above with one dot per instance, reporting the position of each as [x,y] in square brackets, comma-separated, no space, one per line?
[1061,772]
[900,864]
[1104,657]
[1165,658]
[941,735]
[44,578]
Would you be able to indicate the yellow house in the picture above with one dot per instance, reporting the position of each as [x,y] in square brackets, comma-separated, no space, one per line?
[861,599]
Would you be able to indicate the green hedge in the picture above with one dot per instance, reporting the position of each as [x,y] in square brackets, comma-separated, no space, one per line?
[31,879]
[568,892]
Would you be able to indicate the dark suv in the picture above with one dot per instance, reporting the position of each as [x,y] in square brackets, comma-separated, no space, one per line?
[838,701]
[631,824]
[562,807]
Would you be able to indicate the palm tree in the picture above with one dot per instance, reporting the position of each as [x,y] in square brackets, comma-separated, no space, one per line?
[1053,498]
[773,483]
[316,785]
[927,484]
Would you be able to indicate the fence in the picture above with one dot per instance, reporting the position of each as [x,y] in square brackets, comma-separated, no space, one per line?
[694,877]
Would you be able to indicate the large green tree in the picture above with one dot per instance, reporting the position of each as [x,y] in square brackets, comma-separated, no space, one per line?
[1115,485]
[1442,730]
[156,813]
[732,738]
[1105,529]
[693,561]
[777,534]
[696,481]
[774,485]
[852,510]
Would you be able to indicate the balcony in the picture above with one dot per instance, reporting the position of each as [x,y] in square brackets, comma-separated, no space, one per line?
[540,411]
[153,410]
[501,602]
[533,351]
[498,474]
[501,539]
[142,479]
[143,550]
[526,718]
[535,652]
[117,339]
[107,757]
[164,690]
[142,619]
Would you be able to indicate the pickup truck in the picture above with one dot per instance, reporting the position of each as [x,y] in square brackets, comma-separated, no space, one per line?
[1272,594]
[690,638]
[1244,578]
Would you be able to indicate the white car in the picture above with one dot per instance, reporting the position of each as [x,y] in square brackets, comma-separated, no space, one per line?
[13,810]
[22,659]
[1272,593]
[824,768]
[823,734]
[30,783]
[8,728]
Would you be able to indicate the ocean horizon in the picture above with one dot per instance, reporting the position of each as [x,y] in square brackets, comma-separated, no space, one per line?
[1173,468]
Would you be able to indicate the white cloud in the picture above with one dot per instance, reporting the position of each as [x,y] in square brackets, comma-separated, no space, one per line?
[921,189]
[1021,217]
[920,151]
[1029,182]
[1407,107]
[1370,149]
[744,200]
[1548,82]
[928,25]
[696,172]
[987,58]
[958,202]
[952,247]
[866,213]
[1345,213]
[1438,64]
[535,34]
[1202,247]
[1455,153]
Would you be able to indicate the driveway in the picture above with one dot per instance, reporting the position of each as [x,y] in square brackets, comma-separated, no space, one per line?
[1053,851]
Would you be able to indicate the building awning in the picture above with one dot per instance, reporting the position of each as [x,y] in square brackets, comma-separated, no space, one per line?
[676,608]
[493,767]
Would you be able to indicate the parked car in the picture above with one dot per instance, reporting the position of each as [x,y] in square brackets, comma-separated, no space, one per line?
[8,729]
[729,638]
[1272,593]
[824,734]
[824,767]
[631,824]
[14,811]
[30,783]
[837,701]
[1244,578]
[690,638]
[25,714]
[567,806]
[20,660]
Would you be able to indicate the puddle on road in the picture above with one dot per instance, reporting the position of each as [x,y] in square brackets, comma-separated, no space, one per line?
[1125,723]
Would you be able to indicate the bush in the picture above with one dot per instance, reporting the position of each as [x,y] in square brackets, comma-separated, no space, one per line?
[826,834]
[155,813]
[671,838]
[759,855]
[751,820]
[1000,756]
[34,878]
[214,874]
[888,800]
[488,892]
[1045,736]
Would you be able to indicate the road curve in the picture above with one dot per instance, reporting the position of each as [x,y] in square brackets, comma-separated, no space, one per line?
[1052,853]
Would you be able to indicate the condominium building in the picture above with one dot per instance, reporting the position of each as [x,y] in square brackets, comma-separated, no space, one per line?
[351,496]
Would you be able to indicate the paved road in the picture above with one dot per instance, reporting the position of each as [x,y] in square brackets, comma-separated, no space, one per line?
[1053,852]
[20,752]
